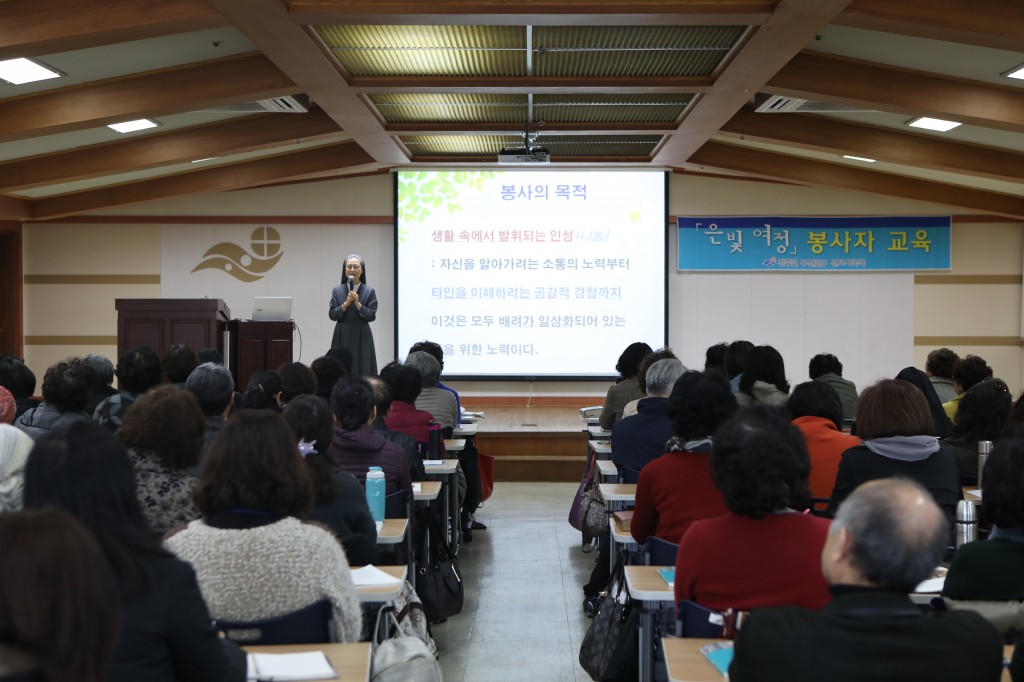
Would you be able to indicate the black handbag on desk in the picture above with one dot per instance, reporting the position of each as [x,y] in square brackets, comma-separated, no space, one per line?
[609,650]
[438,580]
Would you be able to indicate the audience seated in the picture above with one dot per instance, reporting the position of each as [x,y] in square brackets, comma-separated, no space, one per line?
[913,375]
[993,569]
[735,359]
[641,375]
[17,378]
[163,431]
[441,404]
[104,386]
[8,407]
[356,447]
[263,392]
[626,387]
[967,372]
[894,421]
[816,410]
[438,353]
[168,634]
[214,389]
[886,538]
[327,371]
[67,387]
[178,363]
[340,502]
[939,369]
[14,448]
[676,489]
[343,356]
[638,439]
[59,611]
[409,445]
[296,380]
[254,558]
[827,369]
[405,384]
[714,358]
[138,370]
[983,414]
[764,378]
[764,552]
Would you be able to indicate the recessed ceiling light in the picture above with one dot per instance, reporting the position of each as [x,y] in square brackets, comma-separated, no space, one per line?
[21,70]
[208,158]
[132,126]
[859,158]
[1016,72]
[936,124]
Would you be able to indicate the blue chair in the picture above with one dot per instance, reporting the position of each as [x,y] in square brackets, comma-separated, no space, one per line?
[660,552]
[396,505]
[694,620]
[313,624]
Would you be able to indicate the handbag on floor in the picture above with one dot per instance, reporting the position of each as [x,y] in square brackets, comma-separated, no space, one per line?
[610,648]
[397,657]
[575,517]
[438,582]
[593,512]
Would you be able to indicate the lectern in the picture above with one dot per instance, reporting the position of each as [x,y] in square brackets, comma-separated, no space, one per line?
[163,322]
[254,345]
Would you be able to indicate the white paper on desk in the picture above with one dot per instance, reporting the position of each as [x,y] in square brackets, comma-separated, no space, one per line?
[433,462]
[931,585]
[474,415]
[370,575]
[416,487]
[380,526]
[309,665]
[974,492]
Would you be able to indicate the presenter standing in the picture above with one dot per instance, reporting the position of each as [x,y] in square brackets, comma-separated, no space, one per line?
[353,307]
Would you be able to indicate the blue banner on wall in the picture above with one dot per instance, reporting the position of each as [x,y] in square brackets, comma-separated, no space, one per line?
[814,244]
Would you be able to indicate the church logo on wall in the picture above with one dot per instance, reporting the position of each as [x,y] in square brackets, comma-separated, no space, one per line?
[239,263]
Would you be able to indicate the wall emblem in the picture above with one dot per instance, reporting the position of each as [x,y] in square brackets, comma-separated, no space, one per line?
[239,263]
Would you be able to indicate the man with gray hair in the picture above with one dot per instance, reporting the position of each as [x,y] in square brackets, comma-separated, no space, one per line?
[214,389]
[638,439]
[437,401]
[886,538]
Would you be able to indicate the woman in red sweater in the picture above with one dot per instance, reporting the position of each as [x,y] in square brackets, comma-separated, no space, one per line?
[763,552]
[676,489]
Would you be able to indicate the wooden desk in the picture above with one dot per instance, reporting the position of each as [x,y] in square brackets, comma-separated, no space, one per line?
[607,470]
[602,448]
[383,593]
[392,531]
[447,469]
[454,444]
[350,661]
[464,430]
[618,536]
[647,587]
[970,495]
[618,492]
[597,433]
[424,491]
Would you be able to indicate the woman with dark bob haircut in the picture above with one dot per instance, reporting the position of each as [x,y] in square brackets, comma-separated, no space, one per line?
[675,489]
[993,569]
[59,612]
[167,635]
[764,552]
[254,557]
[163,430]
[67,389]
[263,392]
[896,425]
[764,378]
[984,413]
[627,387]
[138,370]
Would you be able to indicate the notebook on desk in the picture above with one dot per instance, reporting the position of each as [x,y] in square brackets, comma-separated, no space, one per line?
[271,308]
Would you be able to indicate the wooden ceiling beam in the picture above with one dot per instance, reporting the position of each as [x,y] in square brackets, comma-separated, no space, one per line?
[299,54]
[534,12]
[242,175]
[39,27]
[537,85]
[821,133]
[722,156]
[174,90]
[233,136]
[996,24]
[792,24]
[13,208]
[516,127]
[878,87]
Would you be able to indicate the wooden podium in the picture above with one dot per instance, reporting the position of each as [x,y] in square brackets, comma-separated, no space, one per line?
[255,346]
[163,322]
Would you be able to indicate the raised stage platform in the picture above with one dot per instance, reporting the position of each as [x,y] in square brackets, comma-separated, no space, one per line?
[545,440]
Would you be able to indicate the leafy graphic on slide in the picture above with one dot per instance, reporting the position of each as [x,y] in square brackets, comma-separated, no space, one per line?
[240,264]
[421,192]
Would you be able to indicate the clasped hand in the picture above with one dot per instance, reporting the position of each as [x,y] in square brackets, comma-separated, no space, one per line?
[353,298]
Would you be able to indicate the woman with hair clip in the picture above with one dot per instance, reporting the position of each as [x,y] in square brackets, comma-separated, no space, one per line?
[340,500]
[167,635]
[263,392]
[353,307]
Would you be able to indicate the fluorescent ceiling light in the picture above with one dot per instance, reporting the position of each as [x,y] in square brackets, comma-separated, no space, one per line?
[21,70]
[859,158]
[1016,72]
[132,126]
[936,124]
[208,158]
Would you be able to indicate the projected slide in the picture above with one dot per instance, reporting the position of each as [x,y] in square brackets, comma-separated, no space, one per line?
[530,274]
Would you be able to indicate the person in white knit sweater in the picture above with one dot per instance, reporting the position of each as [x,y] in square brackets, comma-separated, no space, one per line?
[253,557]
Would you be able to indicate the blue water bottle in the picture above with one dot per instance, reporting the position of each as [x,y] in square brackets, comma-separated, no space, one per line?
[375,492]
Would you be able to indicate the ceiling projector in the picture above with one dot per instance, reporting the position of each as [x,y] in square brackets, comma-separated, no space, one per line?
[520,156]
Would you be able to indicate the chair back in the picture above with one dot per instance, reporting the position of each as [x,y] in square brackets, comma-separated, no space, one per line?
[396,505]
[313,624]
[627,475]
[660,552]
[695,620]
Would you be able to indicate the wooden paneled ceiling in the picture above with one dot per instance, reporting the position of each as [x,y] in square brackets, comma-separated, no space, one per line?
[671,84]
